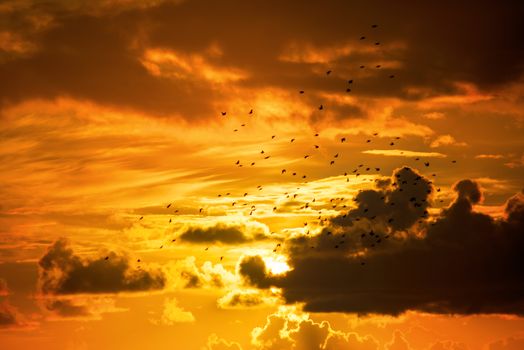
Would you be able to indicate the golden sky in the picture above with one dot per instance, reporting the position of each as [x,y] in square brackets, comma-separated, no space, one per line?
[263,174]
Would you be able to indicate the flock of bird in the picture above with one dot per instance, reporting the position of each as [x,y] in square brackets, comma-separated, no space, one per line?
[371,238]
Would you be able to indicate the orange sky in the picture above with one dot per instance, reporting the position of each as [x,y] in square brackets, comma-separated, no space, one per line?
[136,215]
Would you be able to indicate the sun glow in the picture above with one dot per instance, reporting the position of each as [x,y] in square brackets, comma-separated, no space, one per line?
[277,265]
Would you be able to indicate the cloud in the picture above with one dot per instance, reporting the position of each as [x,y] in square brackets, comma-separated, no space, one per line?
[3,288]
[216,343]
[434,115]
[173,314]
[88,56]
[289,328]
[9,315]
[448,345]
[248,298]
[489,156]
[77,307]
[468,190]
[222,233]
[403,153]
[463,262]
[254,271]
[188,275]
[64,272]
[445,140]
[398,202]
[512,343]
[398,342]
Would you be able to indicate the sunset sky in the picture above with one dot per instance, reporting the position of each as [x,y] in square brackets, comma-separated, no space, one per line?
[265,174]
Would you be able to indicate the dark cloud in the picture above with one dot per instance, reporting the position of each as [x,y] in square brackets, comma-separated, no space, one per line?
[221,233]
[253,269]
[64,272]
[9,316]
[66,308]
[399,202]
[465,263]
[468,190]
[95,55]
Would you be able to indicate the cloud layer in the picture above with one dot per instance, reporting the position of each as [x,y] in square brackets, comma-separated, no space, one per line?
[465,263]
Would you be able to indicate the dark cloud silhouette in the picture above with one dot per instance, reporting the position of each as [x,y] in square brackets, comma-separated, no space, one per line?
[9,316]
[465,263]
[221,233]
[253,269]
[469,190]
[66,308]
[399,202]
[64,272]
